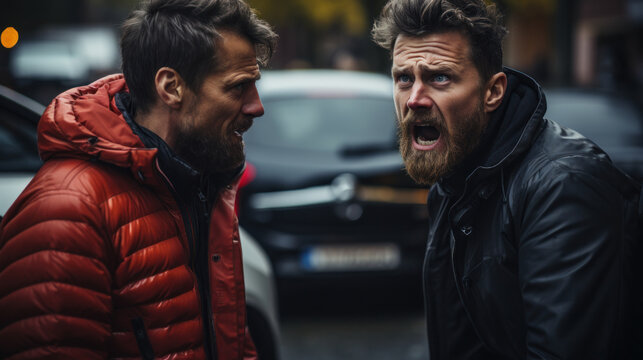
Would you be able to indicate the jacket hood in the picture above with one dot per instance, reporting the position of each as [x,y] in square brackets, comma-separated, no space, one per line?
[84,122]
[517,120]
[511,131]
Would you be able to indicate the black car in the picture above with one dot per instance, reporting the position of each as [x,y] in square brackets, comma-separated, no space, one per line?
[19,158]
[328,197]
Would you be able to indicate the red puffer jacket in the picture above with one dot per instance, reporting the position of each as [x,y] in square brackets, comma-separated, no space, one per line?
[94,256]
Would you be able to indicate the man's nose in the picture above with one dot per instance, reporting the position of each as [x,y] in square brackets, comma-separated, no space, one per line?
[253,105]
[419,98]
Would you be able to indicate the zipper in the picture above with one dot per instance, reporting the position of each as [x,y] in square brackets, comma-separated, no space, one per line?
[185,215]
[453,244]
[142,339]
[193,231]
[457,287]
[201,269]
[433,336]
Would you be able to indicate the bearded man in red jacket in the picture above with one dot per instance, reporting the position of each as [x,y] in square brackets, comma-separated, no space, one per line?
[125,244]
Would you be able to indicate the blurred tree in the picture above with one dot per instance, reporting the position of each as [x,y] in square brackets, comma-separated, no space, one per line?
[28,15]
[319,14]
[523,6]
[314,32]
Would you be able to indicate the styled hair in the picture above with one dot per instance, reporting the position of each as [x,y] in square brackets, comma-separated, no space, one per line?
[181,34]
[481,23]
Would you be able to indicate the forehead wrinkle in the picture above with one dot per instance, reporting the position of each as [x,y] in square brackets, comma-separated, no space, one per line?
[428,63]
[250,72]
[415,43]
[432,51]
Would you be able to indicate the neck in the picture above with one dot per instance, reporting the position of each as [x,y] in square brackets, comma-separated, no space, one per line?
[158,121]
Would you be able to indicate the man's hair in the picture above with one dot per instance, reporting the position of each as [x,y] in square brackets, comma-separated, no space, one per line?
[478,21]
[180,34]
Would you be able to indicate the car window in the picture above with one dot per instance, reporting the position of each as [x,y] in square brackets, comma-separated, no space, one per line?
[18,143]
[325,124]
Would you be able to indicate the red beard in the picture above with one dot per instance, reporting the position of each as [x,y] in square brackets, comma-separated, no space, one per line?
[426,167]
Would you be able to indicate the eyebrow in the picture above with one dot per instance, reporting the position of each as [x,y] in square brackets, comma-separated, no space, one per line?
[243,78]
[426,68]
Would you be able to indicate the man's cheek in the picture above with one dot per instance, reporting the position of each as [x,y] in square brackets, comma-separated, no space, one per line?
[397,108]
[401,110]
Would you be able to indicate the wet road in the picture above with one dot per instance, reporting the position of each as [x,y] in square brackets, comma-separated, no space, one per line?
[359,328]
[380,337]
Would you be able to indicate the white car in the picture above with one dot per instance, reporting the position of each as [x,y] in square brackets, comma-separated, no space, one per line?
[19,161]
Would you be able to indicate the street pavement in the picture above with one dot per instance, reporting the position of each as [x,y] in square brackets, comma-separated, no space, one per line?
[383,337]
[357,328]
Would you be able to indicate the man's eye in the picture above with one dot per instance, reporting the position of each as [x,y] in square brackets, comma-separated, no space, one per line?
[404,79]
[441,78]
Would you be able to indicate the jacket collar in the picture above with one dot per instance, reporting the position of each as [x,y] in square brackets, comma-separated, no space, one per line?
[511,131]
[182,177]
[186,180]
[92,122]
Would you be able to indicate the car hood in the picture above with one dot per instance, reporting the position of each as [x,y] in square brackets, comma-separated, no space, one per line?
[310,168]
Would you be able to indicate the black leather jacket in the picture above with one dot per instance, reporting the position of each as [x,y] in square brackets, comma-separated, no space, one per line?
[530,244]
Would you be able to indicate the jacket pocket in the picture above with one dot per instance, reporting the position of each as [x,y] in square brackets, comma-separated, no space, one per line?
[143,341]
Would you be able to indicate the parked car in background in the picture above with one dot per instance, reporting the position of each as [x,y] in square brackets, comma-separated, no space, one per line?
[613,122]
[56,58]
[47,60]
[19,158]
[329,199]
[261,298]
[97,46]
[19,161]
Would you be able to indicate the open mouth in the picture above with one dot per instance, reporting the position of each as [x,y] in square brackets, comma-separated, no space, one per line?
[425,135]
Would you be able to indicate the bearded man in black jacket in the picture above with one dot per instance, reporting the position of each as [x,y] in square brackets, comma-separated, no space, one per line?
[532,229]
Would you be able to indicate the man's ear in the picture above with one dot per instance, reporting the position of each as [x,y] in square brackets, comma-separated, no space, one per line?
[495,91]
[170,87]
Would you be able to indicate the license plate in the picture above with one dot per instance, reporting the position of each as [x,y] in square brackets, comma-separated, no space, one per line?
[351,257]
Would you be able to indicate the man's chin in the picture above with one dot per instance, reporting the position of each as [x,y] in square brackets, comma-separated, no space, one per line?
[425,167]
[421,177]
[421,171]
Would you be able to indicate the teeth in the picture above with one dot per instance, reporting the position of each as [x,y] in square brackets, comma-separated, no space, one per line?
[425,142]
[421,135]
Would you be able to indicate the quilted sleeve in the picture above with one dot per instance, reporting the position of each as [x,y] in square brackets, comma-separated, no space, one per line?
[54,279]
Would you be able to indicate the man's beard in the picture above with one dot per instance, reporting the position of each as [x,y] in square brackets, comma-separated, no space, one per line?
[208,151]
[426,167]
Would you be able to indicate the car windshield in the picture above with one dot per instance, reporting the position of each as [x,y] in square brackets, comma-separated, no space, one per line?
[326,124]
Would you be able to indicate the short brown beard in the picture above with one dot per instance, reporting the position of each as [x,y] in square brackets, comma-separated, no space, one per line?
[208,152]
[427,167]
[207,149]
